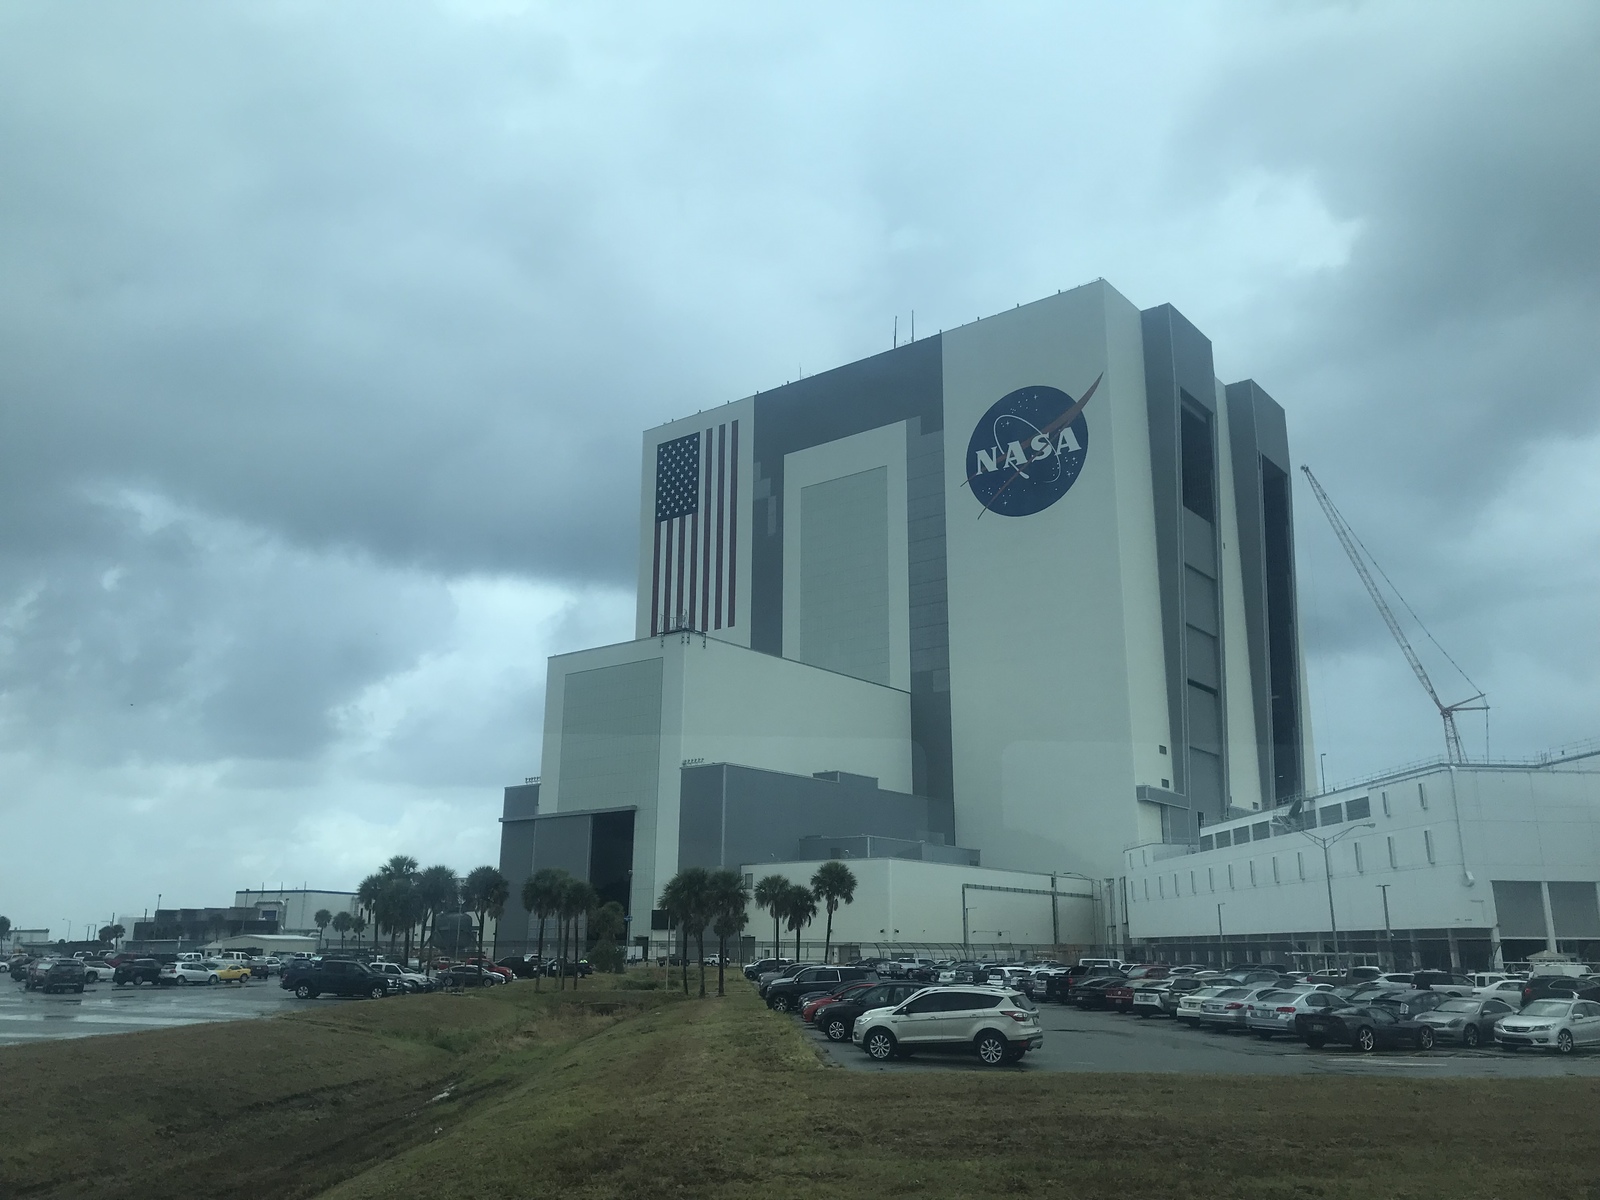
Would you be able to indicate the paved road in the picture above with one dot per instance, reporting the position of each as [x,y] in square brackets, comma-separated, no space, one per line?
[1104,1041]
[105,1008]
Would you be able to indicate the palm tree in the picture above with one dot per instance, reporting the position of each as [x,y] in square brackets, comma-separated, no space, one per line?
[438,891]
[5,928]
[341,926]
[358,926]
[578,899]
[833,884]
[800,906]
[323,918]
[400,874]
[482,886]
[541,896]
[769,892]
[686,897]
[729,904]
[369,896]
[608,925]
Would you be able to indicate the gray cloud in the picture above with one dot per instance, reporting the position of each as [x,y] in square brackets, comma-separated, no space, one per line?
[326,337]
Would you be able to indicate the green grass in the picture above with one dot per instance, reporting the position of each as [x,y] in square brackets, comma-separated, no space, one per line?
[630,1093]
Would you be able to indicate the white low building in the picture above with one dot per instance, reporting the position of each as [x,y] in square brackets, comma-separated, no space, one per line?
[1468,866]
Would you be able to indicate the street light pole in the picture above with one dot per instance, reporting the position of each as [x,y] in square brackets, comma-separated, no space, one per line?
[1388,933]
[1222,949]
[1327,868]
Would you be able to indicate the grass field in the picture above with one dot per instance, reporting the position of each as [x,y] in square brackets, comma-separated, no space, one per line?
[643,1093]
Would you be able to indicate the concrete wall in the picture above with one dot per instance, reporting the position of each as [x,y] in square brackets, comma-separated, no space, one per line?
[898,900]
[1479,825]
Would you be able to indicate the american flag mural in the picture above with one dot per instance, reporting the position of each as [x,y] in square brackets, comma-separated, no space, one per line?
[692,585]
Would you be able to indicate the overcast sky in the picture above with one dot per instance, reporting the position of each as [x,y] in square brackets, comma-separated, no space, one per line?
[327,333]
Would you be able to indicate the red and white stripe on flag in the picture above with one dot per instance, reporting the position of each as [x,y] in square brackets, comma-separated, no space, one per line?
[695,560]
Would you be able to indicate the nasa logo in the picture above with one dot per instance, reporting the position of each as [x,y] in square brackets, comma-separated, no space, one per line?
[1028,450]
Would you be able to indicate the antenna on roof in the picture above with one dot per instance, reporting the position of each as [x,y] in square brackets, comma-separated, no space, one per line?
[896,341]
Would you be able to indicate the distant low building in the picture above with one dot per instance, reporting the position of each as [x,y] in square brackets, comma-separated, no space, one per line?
[297,908]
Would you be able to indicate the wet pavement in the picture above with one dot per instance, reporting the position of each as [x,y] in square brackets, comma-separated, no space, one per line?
[105,1008]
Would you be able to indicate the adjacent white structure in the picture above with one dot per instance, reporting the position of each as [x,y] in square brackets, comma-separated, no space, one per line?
[1450,865]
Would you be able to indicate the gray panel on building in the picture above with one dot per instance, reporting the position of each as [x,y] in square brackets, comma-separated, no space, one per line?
[1573,908]
[844,575]
[611,736]
[1520,909]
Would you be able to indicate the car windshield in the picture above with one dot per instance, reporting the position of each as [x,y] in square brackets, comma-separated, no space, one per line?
[1548,1008]
[1458,1005]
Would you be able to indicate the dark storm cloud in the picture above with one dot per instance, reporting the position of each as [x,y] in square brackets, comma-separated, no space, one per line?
[327,334]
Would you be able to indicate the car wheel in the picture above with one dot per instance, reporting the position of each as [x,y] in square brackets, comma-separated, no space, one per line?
[1366,1040]
[1424,1038]
[837,1030]
[79,989]
[879,1045]
[377,992]
[1470,1037]
[1511,1046]
[1014,1056]
[303,991]
[182,980]
[214,979]
[779,1004]
[1316,1043]
[1564,1041]
[992,1049]
[1264,1034]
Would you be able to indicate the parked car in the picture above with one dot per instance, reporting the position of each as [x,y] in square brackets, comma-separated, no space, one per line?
[54,975]
[837,1018]
[1559,987]
[1410,1003]
[783,995]
[1366,1029]
[1506,988]
[768,978]
[465,975]
[400,979]
[523,966]
[1091,993]
[809,1004]
[1147,997]
[187,971]
[95,971]
[1000,1026]
[309,979]
[1552,1023]
[231,972]
[761,966]
[1226,1009]
[1188,1010]
[1469,1020]
[1171,991]
[137,971]
[1276,1011]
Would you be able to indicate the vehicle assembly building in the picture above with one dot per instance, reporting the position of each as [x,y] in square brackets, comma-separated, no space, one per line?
[1006,612]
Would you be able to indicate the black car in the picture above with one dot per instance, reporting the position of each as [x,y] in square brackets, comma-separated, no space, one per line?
[465,975]
[761,966]
[1408,1004]
[54,975]
[137,971]
[1067,986]
[1091,993]
[1559,987]
[783,995]
[1366,1029]
[836,1020]
[521,965]
[309,979]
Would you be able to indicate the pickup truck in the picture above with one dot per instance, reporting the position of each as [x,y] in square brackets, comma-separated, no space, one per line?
[337,977]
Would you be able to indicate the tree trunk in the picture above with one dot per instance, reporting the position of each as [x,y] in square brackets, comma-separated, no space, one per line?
[538,973]
[777,946]
[700,947]
[722,959]
[797,929]
[683,954]
[827,940]
[561,953]
[577,953]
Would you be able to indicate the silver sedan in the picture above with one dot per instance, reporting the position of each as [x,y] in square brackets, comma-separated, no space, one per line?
[1561,1025]
[1469,1020]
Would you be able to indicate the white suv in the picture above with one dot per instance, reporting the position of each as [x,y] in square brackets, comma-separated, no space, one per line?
[999,1024]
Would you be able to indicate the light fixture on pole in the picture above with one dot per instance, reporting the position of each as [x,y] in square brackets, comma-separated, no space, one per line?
[1327,865]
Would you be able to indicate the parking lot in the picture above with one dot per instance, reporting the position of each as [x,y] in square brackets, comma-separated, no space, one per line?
[106,1008]
[1097,1041]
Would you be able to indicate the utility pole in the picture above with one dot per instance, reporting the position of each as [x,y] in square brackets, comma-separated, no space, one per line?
[1327,867]
[1222,949]
[1388,934]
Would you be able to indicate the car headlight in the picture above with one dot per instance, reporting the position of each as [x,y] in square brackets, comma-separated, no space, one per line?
[1534,1028]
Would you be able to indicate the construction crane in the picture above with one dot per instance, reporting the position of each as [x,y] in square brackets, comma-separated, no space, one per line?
[1358,556]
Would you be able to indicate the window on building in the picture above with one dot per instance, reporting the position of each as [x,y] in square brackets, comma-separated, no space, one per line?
[1161,888]
[1329,814]
[1393,862]
[1211,879]
[1261,831]
[1193,890]
[1427,843]
[1422,796]
[1361,867]
[1206,842]
[1224,838]
[1358,810]
[1197,456]
[1252,872]
[1385,803]
[1175,890]
[1275,878]
[1230,877]
[1300,862]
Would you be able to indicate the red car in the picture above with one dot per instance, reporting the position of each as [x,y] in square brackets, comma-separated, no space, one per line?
[809,1009]
[506,973]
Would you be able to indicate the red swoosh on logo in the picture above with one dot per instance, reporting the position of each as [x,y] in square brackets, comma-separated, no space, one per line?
[1066,418]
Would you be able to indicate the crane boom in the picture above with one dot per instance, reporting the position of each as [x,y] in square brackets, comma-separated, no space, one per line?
[1347,539]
